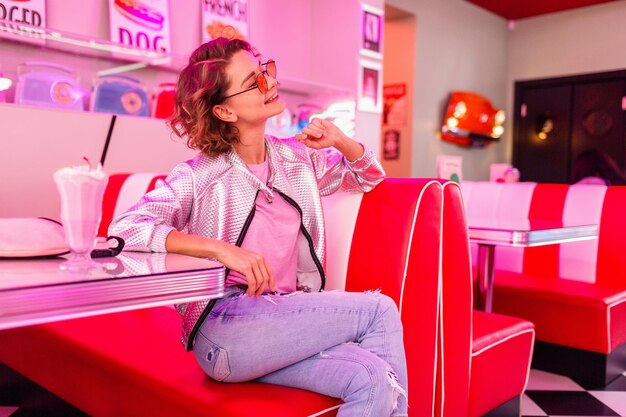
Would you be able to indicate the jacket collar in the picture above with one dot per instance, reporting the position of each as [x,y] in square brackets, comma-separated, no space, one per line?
[276,176]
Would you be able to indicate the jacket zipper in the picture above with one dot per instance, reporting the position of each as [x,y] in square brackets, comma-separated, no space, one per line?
[318,264]
[209,307]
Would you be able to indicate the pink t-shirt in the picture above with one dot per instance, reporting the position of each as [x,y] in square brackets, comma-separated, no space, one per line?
[273,233]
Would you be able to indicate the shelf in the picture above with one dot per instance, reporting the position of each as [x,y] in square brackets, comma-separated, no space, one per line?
[130,58]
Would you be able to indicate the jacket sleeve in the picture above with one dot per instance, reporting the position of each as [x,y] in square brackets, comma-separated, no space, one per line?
[334,172]
[145,226]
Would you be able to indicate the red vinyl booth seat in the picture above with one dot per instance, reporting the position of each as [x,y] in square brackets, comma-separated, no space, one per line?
[574,314]
[486,357]
[132,364]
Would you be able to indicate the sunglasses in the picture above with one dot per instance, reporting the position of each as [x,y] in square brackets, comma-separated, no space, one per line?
[261,80]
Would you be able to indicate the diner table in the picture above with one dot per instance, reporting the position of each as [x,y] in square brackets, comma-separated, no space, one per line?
[36,291]
[489,234]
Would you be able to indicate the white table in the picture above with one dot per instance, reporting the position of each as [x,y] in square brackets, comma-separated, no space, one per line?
[35,291]
[528,235]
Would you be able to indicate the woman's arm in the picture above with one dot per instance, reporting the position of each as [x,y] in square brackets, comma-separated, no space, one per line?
[350,167]
[146,225]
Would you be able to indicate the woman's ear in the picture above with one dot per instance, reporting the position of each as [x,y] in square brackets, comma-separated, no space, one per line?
[224,113]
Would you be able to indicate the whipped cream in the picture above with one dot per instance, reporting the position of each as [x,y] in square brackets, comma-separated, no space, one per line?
[80,173]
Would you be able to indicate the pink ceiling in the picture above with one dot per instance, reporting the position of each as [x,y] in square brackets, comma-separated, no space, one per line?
[519,9]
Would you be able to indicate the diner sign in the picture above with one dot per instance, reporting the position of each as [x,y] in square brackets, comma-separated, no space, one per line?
[15,14]
[228,18]
[141,24]
[394,104]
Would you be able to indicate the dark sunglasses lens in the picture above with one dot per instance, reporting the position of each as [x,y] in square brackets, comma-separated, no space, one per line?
[262,83]
[270,67]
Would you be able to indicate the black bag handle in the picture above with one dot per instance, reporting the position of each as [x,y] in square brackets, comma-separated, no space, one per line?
[107,253]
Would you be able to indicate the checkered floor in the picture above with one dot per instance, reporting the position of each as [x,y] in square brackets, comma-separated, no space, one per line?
[555,395]
[547,395]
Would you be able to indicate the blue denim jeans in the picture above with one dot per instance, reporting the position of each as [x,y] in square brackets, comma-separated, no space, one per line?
[341,344]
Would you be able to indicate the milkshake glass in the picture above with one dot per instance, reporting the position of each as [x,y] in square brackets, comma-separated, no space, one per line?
[81,189]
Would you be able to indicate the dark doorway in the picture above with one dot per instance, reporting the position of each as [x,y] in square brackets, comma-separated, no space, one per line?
[559,118]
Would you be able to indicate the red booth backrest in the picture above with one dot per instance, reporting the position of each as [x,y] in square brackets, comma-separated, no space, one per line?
[456,307]
[611,258]
[400,254]
[124,190]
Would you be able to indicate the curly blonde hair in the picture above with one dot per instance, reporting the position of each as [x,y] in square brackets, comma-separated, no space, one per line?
[201,85]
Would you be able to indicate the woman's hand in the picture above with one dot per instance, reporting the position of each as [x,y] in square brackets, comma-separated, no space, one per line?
[320,134]
[252,265]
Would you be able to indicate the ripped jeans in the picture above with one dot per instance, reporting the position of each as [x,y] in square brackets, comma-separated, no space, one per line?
[341,344]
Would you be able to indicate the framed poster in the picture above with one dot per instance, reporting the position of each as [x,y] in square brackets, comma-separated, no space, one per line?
[370,87]
[141,24]
[371,31]
[395,105]
[391,144]
[224,18]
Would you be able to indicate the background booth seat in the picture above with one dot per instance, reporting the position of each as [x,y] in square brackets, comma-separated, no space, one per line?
[486,357]
[131,363]
[123,190]
[575,293]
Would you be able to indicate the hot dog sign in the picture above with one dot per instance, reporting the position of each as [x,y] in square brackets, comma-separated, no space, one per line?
[143,24]
[15,14]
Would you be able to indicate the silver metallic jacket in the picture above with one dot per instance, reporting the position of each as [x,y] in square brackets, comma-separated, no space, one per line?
[215,197]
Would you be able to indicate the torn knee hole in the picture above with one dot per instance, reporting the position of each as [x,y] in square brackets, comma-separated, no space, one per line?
[397,389]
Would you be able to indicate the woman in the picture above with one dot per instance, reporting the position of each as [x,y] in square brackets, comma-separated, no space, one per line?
[252,202]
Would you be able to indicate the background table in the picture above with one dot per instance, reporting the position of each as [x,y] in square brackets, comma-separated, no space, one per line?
[527,235]
[35,291]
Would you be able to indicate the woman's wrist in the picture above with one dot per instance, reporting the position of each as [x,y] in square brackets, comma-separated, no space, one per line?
[350,149]
[214,248]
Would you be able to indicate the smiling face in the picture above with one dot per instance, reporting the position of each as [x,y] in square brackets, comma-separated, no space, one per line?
[250,107]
